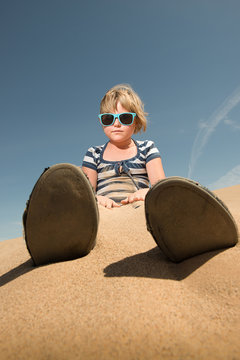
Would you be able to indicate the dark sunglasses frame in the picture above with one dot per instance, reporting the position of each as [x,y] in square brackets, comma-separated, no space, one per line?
[119,116]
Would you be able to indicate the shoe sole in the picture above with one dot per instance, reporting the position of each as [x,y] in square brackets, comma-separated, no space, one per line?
[61,219]
[186,219]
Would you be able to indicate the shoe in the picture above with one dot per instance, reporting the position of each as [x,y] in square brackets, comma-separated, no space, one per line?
[61,218]
[186,219]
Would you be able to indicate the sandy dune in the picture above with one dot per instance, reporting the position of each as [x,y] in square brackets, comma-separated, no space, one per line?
[124,300]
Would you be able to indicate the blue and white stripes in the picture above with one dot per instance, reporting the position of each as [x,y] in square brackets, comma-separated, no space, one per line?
[114,178]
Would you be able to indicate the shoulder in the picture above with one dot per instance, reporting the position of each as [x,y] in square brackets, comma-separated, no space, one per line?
[147,149]
[93,156]
[95,151]
[145,145]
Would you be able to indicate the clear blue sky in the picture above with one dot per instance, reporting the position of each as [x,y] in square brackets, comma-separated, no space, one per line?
[58,58]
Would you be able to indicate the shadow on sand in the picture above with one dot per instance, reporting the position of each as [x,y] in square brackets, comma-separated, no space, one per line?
[16,272]
[150,264]
[153,264]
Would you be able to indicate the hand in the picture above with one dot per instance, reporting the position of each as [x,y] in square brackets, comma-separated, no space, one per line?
[136,196]
[106,202]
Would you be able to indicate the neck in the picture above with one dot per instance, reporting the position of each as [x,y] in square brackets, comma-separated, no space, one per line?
[123,145]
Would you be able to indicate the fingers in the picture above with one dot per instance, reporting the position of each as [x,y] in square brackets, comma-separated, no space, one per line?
[107,203]
[135,198]
[131,198]
[114,204]
[111,204]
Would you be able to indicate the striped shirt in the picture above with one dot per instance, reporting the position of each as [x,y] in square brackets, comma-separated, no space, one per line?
[117,179]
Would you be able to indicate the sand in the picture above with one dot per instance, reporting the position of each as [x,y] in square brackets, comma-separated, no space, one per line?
[124,300]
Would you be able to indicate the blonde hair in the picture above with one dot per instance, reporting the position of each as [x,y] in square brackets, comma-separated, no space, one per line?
[129,99]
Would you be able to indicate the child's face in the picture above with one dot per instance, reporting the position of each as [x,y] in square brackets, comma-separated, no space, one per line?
[118,133]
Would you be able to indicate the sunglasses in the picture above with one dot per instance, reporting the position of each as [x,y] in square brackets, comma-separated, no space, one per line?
[108,119]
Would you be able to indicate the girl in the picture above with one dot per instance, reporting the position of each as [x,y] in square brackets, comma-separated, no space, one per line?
[122,170]
[61,218]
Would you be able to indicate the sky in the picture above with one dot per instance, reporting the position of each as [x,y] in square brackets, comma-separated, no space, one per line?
[59,57]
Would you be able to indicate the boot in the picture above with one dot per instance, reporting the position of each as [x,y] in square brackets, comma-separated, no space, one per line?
[61,218]
[186,219]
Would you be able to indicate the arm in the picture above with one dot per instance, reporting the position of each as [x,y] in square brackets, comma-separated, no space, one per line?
[155,173]
[102,200]
[155,170]
[92,176]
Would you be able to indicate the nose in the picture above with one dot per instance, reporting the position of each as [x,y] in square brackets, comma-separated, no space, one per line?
[116,122]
